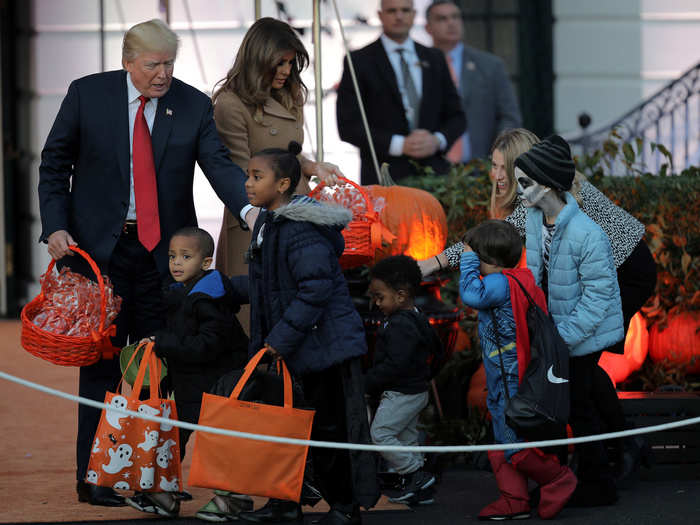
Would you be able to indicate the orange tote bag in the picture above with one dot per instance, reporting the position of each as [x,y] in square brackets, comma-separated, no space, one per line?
[131,453]
[246,466]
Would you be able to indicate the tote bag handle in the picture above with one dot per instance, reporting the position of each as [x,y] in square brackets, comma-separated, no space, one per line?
[250,367]
[149,360]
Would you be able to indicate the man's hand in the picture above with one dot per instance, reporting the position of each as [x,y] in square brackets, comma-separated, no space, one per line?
[251,217]
[59,242]
[420,144]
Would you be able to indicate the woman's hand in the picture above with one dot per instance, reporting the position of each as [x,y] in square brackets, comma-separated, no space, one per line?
[325,171]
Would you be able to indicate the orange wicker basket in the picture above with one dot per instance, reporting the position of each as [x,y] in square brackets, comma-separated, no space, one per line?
[364,234]
[63,349]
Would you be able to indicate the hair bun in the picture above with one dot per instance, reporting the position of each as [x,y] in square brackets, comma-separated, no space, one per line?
[294,147]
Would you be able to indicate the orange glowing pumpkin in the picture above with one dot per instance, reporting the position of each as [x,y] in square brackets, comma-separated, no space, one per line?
[414,216]
[619,367]
[679,342]
[476,396]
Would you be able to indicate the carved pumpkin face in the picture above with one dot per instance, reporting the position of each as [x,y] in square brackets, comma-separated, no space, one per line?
[415,217]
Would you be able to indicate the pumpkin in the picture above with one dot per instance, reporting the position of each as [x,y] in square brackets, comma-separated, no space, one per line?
[678,342]
[619,367]
[414,216]
[476,396]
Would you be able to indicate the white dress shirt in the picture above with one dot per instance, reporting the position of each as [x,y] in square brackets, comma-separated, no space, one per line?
[414,66]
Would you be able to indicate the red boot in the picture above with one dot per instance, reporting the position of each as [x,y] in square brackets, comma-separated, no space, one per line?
[557,482]
[514,502]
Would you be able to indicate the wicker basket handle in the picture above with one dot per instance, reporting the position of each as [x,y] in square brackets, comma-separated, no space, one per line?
[100,282]
[359,188]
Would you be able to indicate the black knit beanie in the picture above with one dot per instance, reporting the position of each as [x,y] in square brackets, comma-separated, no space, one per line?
[549,163]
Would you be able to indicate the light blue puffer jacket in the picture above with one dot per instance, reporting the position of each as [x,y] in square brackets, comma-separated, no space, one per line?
[583,296]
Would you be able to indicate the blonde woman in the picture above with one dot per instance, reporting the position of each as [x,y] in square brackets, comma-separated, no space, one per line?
[258,105]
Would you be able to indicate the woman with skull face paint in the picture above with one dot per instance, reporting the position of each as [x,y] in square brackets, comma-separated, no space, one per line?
[571,259]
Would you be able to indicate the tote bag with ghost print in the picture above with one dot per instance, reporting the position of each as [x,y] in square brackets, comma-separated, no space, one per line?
[131,453]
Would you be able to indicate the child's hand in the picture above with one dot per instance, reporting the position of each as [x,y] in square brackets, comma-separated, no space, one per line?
[467,248]
[272,352]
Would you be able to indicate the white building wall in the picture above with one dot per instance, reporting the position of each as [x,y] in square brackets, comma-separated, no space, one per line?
[610,55]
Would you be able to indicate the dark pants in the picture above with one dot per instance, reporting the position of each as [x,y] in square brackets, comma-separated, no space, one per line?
[637,280]
[585,418]
[137,281]
[332,468]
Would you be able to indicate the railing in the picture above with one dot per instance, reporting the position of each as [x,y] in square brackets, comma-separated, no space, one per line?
[670,117]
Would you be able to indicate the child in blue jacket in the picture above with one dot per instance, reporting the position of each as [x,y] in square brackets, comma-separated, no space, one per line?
[301,311]
[492,250]
[571,259]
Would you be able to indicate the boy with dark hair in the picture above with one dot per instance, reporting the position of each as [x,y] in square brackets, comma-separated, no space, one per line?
[492,250]
[202,340]
[400,372]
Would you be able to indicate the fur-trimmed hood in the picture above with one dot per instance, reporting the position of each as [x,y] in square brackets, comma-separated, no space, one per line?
[303,208]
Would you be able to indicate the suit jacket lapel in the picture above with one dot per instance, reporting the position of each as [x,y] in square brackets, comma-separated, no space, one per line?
[429,81]
[162,125]
[386,71]
[468,76]
[120,103]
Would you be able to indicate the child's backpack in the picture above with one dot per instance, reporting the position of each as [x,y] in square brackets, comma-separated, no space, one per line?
[540,407]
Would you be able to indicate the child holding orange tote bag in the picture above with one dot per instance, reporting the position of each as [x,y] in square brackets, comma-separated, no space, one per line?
[301,311]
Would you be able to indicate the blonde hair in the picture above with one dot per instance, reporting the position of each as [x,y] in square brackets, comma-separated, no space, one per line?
[252,73]
[153,36]
[511,143]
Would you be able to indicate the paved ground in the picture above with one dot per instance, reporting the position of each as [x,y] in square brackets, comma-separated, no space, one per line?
[37,480]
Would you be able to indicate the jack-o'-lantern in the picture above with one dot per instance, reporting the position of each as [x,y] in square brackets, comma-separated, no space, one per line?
[678,342]
[619,367]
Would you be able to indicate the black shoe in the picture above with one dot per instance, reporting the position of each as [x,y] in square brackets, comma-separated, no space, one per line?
[340,516]
[423,497]
[94,495]
[273,511]
[310,495]
[182,496]
[414,482]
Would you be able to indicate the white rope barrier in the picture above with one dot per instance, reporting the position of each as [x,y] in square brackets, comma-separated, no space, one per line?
[353,446]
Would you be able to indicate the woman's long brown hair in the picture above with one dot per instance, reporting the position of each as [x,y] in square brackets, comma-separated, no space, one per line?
[252,73]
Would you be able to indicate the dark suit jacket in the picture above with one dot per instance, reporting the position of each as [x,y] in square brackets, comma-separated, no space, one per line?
[488,99]
[84,172]
[440,108]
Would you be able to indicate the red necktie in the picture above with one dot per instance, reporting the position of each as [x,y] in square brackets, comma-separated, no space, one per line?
[455,153]
[145,189]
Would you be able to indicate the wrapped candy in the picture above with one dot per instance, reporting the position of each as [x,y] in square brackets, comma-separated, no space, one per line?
[349,197]
[72,304]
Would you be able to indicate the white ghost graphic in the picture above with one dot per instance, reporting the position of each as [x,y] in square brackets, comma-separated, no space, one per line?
[121,485]
[114,417]
[96,446]
[169,486]
[148,410]
[91,477]
[150,441]
[165,407]
[164,454]
[147,474]
[119,459]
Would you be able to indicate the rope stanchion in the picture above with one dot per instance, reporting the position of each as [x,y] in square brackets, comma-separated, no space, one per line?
[355,446]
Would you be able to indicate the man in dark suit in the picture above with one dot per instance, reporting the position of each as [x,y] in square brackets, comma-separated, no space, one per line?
[487,95]
[412,106]
[116,178]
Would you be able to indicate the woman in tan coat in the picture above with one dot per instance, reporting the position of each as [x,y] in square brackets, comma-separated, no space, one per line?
[260,105]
